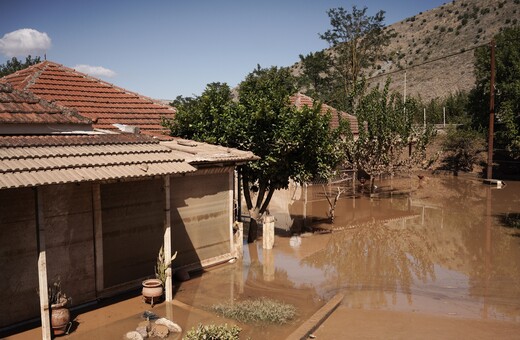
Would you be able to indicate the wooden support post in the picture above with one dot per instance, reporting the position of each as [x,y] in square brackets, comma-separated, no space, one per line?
[231,186]
[167,239]
[98,235]
[304,205]
[42,268]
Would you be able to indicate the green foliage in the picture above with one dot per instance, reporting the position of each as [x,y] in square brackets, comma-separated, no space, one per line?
[162,265]
[316,79]
[257,311]
[357,40]
[388,130]
[213,332]
[456,106]
[511,220]
[292,143]
[507,94]
[463,148]
[14,65]
[206,118]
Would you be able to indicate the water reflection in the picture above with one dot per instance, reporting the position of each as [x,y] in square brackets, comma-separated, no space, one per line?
[438,245]
[383,257]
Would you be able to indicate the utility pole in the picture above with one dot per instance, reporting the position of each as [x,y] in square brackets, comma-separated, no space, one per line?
[491,113]
[404,96]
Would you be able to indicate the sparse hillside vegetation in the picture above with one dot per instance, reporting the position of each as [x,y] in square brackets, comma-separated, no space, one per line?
[421,43]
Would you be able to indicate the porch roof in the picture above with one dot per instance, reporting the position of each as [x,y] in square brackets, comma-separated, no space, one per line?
[27,161]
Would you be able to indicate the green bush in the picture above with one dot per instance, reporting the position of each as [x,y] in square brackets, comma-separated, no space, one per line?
[260,310]
[213,332]
[463,148]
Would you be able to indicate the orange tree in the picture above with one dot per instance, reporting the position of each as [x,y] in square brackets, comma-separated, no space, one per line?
[291,143]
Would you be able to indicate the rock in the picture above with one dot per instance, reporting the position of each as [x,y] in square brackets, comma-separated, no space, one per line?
[146,324]
[172,326]
[160,331]
[133,336]
[143,328]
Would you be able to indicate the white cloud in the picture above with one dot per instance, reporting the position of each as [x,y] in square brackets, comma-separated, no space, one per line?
[95,71]
[23,42]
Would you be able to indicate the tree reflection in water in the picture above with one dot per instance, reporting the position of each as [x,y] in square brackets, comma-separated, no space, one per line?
[381,257]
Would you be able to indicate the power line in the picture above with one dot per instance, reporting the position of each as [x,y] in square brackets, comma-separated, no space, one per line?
[428,62]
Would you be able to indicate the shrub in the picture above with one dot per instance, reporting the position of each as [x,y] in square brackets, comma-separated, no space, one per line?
[463,148]
[261,310]
[213,332]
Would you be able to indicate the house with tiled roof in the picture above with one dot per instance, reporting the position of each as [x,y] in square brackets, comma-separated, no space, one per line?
[108,106]
[94,207]
[300,100]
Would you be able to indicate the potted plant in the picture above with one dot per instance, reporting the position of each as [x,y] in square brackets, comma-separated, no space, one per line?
[60,315]
[153,289]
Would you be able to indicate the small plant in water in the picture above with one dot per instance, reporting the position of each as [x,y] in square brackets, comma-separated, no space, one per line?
[213,332]
[260,310]
[512,220]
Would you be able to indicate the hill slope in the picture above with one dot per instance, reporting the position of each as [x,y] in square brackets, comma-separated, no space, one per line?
[436,48]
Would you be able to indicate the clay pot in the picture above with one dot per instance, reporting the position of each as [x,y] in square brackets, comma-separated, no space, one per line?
[60,317]
[152,290]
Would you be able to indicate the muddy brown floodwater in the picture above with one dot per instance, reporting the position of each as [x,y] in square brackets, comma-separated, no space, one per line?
[430,258]
[437,252]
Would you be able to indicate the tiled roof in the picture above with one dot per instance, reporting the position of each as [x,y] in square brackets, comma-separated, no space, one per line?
[198,152]
[300,100]
[18,107]
[104,103]
[42,160]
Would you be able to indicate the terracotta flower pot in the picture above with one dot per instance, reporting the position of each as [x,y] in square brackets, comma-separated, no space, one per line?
[152,290]
[60,317]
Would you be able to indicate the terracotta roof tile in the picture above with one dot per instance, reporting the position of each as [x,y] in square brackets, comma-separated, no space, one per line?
[91,97]
[300,100]
[21,107]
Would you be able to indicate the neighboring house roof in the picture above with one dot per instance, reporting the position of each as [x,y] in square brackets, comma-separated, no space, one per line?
[300,100]
[50,157]
[27,161]
[23,112]
[199,153]
[102,102]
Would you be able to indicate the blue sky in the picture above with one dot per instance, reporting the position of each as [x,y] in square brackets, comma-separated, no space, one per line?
[163,49]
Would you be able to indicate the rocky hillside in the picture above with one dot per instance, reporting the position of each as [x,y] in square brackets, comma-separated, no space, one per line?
[435,48]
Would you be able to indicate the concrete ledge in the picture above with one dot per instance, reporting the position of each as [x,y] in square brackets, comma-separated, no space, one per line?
[316,319]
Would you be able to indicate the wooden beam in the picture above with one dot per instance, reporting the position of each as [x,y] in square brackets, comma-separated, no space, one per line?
[98,235]
[42,268]
[167,238]
[231,193]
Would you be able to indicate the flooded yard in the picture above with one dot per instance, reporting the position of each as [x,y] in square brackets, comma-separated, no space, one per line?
[436,246]
[439,253]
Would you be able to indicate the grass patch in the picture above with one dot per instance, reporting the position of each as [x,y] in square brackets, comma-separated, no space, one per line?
[213,332]
[261,310]
[511,220]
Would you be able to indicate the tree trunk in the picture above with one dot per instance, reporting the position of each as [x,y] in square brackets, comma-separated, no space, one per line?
[252,233]
[256,211]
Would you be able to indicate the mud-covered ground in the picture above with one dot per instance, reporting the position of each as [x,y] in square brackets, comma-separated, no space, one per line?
[419,258]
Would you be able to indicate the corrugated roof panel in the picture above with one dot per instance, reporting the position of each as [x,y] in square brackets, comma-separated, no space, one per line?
[45,177]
